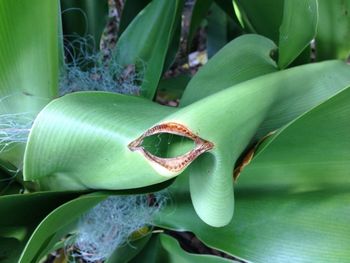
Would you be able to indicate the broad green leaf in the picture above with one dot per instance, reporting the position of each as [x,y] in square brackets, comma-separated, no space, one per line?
[298,28]
[217,35]
[277,98]
[293,197]
[113,121]
[82,18]
[227,6]
[242,59]
[163,248]
[318,151]
[222,26]
[316,89]
[272,224]
[263,17]
[290,23]
[29,209]
[177,254]
[147,46]
[333,31]
[260,105]
[28,55]
[28,61]
[118,128]
[130,11]
[255,67]
[59,218]
[20,214]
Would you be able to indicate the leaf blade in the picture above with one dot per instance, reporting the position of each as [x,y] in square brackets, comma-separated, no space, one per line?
[137,45]
[298,28]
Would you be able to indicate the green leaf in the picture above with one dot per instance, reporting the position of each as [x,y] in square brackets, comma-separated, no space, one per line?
[262,16]
[29,34]
[333,31]
[316,89]
[113,121]
[217,36]
[222,26]
[28,60]
[227,6]
[242,59]
[291,199]
[130,11]
[177,254]
[21,213]
[271,224]
[163,248]
[68,173]
[84,18]
[211,175]
[298,28]
[147,46]
[292,24]
[118,129]
[29,209]
[317,155]
[61,217]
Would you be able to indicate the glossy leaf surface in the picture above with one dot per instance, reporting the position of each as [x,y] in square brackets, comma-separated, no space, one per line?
[115,121]
[333,32]
[263,17]
[286,200]
[61,217]
[20,214]
[147,46]
[28,61]
[242,59]
[298,28]
[130,11]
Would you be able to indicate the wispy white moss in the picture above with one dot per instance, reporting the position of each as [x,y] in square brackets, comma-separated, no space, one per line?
[110,224]
[14,128]
[86,70]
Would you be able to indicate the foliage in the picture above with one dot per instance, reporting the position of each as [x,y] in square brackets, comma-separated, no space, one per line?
[255,158]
